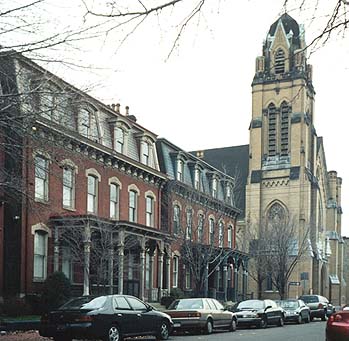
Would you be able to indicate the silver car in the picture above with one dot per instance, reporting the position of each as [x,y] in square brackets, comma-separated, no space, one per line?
[203,314]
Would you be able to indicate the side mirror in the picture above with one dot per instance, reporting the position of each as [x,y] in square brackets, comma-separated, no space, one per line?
[150,308]
[268,307]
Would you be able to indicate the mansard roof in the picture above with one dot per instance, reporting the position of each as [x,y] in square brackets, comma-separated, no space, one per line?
[234,162]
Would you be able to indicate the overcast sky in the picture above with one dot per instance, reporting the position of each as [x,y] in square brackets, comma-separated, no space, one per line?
[200,97]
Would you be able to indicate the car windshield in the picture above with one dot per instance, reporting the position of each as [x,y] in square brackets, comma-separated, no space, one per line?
[86,302]
[187,304]
[251,304]
[288,304]
[309,299]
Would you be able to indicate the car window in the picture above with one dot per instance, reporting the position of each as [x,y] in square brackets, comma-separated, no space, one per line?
[136,304]
[310,299]
[210,305]
[289,304]
[254,304]
[217,304]
[187,304]
[120,302]
[96,303]
[76,303]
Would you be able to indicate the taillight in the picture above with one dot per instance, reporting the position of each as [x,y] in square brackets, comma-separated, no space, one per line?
[196,314]
[338,318]
[331,318]
[84,318]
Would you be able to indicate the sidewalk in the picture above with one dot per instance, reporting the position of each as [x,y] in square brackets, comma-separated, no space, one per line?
[30,335]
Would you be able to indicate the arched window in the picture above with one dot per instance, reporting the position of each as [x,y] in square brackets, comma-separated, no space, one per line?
[176,219]
[189,229]
[211,231]
[132,206]
[276,214]
[271,130]
[279,61]
[119,140]
[175,266]
[88,126]
[230,236]
[149,212]
[92,194]
[114,200]
[284,128]
[40,255]
[200,227]
[221,234]
[41,164]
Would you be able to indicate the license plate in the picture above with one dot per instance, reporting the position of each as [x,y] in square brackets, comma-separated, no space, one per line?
[176,325]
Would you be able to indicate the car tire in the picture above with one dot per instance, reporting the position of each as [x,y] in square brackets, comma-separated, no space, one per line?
[300,319]
[164,331]
[264,323]
[233,325]
[113,334]
[307,319]
[209,327]
[281,321]
[324,317]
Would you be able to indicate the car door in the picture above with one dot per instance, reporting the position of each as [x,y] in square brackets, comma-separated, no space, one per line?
[147,322]
[124,315]
[271,312]
[223,315]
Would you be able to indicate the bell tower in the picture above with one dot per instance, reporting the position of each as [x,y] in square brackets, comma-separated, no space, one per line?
[282,148]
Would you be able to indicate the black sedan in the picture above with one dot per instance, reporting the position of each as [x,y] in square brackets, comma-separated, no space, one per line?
[295,310]
[259,313]
[110,318]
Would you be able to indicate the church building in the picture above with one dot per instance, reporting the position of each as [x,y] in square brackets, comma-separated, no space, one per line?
[283,171]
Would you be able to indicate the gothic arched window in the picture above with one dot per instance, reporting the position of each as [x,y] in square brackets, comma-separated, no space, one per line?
[276,214]
[271,130]
[284,128]
[279,61]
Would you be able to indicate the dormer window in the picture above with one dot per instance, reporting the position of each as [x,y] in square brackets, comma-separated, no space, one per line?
[88,125]
[279,62]
[214,187]
[197,178]
[228,193]
[180,170]
[119,140]
[145,159]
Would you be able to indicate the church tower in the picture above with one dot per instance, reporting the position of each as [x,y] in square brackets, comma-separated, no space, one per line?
[287,168]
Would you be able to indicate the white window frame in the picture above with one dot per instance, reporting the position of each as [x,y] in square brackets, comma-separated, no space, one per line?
[68,188]
[214,187]
[189,224]
[175,267]
[42,178]
[187,278]
[92,198]
[180,170]
[211,223]
[201,221]
[220,234]
[230,236]
[119,140]
[145,153]
[176,219]
[149,211]
[114,202]
[40,255]
[132,210]
[197,179]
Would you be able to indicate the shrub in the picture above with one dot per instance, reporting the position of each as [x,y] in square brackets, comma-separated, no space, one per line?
[56,291]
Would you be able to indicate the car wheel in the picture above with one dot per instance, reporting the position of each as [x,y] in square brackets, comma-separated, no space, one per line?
[324,317]
[209,327]
[307,319]
[163,331]
[113,334]
[281,321]
[299,320]
[233,325]
[264,323]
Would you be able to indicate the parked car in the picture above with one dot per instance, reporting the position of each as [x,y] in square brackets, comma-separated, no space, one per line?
[204,314]
[259,313]
[319,306]
[337,328]
[295,310]
[110,318]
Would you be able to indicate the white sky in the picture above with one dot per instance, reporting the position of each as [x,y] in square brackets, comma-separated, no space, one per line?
[200,97]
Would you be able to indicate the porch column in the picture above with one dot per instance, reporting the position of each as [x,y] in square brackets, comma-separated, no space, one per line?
[225,281]
[87,252]
[206,281]
[151,273]
[236,284]
[111,269]
[168,273]
[56,250]
[142,270]
[160,273]
[121,245]
[244,284]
